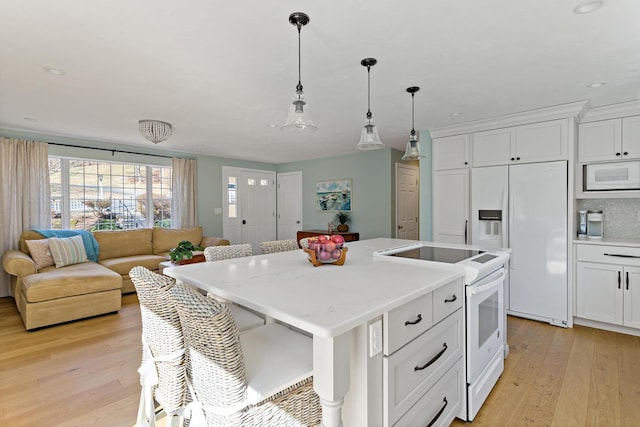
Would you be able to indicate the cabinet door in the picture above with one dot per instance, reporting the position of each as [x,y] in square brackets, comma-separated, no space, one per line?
[631,138]
[599,140]
[541,142]
[492,147]
[632,297]
[451,152]
[451,206]
[599,292]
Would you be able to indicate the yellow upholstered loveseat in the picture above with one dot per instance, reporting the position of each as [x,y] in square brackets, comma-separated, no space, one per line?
[54,295]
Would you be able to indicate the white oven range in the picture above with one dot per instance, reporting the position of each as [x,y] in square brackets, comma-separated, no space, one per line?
[484,310]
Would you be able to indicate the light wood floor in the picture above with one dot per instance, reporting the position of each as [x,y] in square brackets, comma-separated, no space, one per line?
[84,373]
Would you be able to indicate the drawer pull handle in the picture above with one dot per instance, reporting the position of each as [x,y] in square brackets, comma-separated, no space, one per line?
[618,280]
[623,255]
[627,279]
[431,362]
[415,322]
[433,421]
[452,299]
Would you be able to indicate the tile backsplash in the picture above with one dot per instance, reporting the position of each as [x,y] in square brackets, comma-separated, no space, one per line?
[621,216]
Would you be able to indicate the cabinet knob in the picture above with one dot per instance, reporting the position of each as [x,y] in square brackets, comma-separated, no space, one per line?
[626,153]
[517,158]
[466,163]
[512,159]
[617,154]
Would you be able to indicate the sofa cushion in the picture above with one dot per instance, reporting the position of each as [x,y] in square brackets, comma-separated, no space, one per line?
[40,252]
[77,279]
[165,239]
[67,251]
[28,235]
[124,264]
[123,243]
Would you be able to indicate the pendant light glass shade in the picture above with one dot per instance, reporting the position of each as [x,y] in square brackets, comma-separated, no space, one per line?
[412,151]
[369,137]
[298,120]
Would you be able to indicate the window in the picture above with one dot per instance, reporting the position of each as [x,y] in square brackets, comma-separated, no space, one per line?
[232,191]
[99,195]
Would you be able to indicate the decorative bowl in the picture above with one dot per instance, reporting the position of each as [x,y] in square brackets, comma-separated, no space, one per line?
[326,250]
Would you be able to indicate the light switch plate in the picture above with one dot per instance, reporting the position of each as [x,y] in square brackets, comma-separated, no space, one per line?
[375,338]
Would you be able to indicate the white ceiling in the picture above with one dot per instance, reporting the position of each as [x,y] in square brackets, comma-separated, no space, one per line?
[222,71]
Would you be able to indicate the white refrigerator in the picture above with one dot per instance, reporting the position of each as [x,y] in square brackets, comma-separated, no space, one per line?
[524,207]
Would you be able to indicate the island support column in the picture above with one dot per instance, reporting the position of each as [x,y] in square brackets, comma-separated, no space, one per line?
[331,372]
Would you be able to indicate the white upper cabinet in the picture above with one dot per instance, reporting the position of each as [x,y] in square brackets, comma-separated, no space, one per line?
[537,142]
[492,147]
[451,152]
[606,140]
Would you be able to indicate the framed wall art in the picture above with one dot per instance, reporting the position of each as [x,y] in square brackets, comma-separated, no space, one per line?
[334,195]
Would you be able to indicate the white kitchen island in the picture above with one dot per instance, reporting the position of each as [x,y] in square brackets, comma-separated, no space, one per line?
[345,308]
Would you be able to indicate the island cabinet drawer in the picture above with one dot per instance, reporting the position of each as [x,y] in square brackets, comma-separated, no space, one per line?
[609,254]
[411,371]
[440,405]
[406,322]
[447,299]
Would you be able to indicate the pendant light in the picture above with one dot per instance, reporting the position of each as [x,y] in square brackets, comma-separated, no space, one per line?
[369,138]
[413,145]
[298,120]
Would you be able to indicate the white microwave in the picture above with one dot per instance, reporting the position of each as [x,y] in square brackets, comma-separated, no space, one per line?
[611,176]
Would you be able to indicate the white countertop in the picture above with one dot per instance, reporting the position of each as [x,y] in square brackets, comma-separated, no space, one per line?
[609,241]
[327,300]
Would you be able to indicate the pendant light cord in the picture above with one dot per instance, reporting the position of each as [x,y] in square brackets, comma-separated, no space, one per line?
[369,115]
[299,87]
[413,131]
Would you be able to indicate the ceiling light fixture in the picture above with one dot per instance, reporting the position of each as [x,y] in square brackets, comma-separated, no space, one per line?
[54,71]
[596,85]
[413,145]
[369,138]
[298,120]
[588,7]
[155,131]
[456,114]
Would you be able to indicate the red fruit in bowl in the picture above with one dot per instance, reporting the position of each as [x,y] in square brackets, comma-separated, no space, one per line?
[322,238]
[336,254]
[313,246]
[324,256]
[337,239]
[329,246]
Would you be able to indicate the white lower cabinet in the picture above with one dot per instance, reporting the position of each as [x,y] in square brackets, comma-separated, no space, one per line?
[608,284]
[423,376]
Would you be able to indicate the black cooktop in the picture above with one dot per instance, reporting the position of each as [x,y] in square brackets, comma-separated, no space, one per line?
[427,253]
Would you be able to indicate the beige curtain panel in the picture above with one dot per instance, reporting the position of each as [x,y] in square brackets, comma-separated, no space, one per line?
[183,195]
[25,199]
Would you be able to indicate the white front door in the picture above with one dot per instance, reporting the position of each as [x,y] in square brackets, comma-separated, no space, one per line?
[249,206]
[407,201]
[289,205]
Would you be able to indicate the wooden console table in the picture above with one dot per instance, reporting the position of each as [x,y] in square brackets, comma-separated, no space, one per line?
[348,236]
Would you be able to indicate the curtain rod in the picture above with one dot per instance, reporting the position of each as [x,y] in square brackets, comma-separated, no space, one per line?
[113,151]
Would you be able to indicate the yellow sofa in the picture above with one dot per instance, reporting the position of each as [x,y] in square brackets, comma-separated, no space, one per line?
[54,295]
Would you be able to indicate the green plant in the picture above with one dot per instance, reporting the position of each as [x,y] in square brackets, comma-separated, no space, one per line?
[343,217]
[184,250]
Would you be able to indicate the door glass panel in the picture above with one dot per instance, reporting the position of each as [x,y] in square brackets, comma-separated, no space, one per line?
[232,196]
[488,318]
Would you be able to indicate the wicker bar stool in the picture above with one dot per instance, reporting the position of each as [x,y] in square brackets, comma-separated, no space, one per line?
[243,317]
[260,378]
[162,372]
[273,246]
[219,253]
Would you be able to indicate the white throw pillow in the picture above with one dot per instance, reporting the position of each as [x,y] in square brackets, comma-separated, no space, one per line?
[67,251]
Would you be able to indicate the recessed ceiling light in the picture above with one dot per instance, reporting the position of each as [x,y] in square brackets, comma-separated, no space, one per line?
[455,114]
[54,71]
[31,119]
[588,7]
[596,84]
[274,125]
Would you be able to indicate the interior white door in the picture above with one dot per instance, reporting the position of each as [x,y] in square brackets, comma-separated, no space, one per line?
[257,207]
[407,201]
[289,204]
